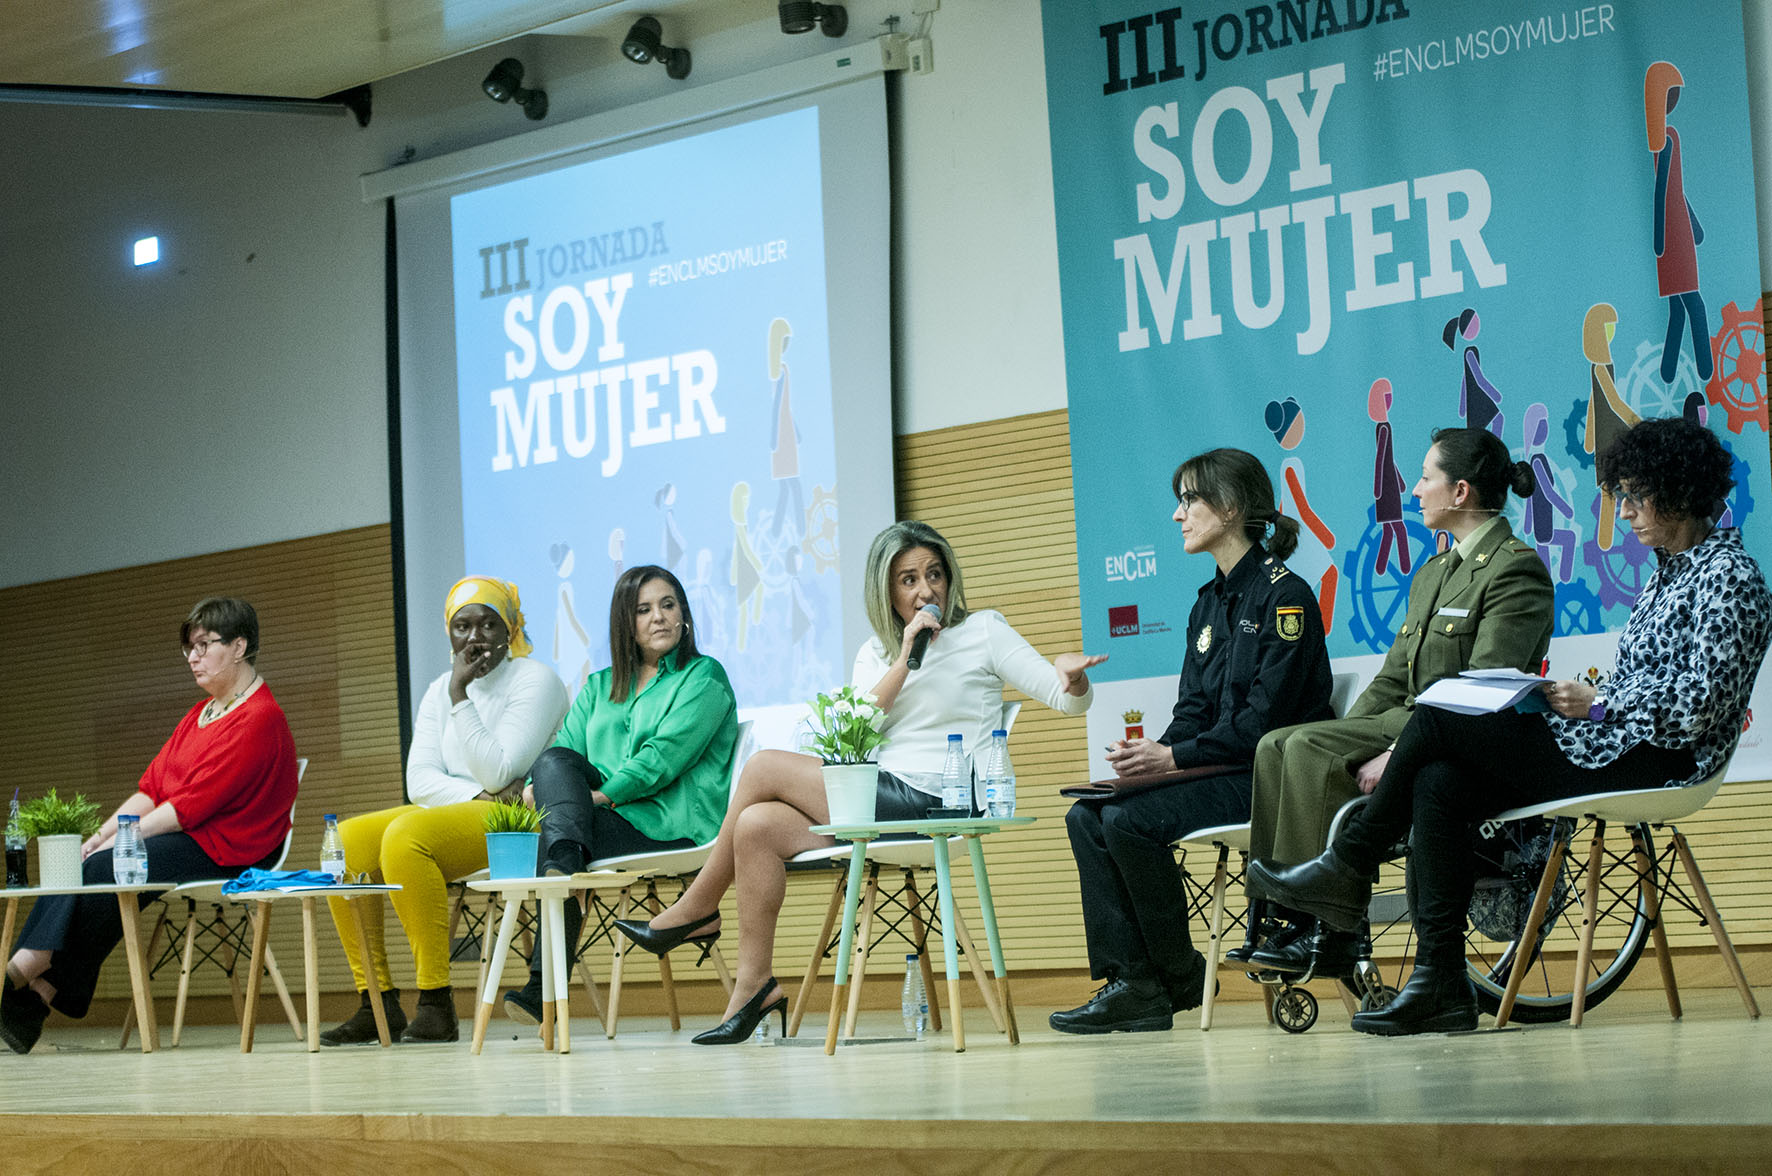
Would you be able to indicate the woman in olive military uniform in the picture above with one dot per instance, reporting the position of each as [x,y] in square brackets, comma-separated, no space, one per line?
[1255,660]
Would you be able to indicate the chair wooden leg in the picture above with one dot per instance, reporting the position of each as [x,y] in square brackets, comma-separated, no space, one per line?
[282,991]
[1663,960]
[720,968]
[665,979]
[622,904]
[1214,937]
[921,930]
[804,996]
[858,968]
[1590,910]
[1711,915]
[153,947]
[591,990]
[458,896]
[232,934]
[184,971]
[1534,921]
[980,973]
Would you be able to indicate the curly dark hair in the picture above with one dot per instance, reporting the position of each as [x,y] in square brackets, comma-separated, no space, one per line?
[1679,467]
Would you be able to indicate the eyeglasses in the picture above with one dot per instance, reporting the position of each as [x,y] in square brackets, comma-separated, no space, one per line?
[1189,497]
[201,646]
[1635,501]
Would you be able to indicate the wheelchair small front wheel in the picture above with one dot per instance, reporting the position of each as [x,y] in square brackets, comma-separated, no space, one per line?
[1295,1010]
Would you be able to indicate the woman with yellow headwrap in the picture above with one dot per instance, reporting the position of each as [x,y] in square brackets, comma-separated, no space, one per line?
[478,729]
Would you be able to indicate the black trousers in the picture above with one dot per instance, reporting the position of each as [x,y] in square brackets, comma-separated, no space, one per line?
[563,781]
[1449,773]
[82,929]
[1135,910]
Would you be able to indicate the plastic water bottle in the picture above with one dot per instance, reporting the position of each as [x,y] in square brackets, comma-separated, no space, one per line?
[129,854]
[956,786]
[915,1001]
[999,778]
[15,848]
[332,850]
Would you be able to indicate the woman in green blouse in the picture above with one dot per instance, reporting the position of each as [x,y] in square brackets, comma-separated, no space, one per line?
[644,758]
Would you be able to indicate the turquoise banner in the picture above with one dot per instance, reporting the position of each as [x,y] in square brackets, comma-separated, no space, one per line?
[1319,230]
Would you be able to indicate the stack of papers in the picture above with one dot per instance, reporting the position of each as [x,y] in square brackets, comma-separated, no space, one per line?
[1481,692]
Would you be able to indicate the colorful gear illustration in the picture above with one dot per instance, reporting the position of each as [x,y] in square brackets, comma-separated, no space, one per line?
[1738,381]
[1379,602]
[1578,610]
[1741,500]
[1621,571]
[1575,435]
[821,529]
[1643,390]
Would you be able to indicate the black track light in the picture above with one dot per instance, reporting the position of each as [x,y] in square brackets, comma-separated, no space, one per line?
[505,84]
[798,16]
[645,43]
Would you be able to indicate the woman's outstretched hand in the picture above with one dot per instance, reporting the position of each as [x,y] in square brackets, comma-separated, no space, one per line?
[1073,670]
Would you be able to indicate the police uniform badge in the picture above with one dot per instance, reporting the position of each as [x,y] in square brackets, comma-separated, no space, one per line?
[1204,641]
[1289,622]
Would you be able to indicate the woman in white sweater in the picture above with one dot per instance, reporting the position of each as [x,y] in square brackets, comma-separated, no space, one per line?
[959,688]
[478,729]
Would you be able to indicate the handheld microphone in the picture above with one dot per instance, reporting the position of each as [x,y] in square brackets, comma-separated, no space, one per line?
[920,642]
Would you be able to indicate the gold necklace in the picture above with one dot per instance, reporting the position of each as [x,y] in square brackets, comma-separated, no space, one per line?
[211,714]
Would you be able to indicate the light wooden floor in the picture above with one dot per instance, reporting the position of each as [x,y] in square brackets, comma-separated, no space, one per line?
[1630,1089]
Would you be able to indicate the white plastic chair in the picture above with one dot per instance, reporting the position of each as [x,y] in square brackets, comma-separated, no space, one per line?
[227,926]
[909,857]
[1637,808]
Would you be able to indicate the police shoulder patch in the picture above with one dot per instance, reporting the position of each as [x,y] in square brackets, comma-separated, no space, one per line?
[1289,622]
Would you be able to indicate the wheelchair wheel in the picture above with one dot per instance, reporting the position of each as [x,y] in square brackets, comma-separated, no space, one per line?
[1500,908]
[1295,1010]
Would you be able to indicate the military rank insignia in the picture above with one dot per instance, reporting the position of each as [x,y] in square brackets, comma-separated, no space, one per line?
[1289,622]
[1204,641]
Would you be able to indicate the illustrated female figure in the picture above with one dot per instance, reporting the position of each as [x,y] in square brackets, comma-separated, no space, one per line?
[784,457]
[572,645]
[747,569]
[671,546]
[1314,559]
[1479,401]
[1677,231]
[1387,483]
[1608,416]
[1545,503]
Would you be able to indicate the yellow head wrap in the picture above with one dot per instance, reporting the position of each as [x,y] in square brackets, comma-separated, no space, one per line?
[498,595]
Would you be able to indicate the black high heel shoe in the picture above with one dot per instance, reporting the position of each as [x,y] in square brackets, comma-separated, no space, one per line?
[743,1023]
[659,941]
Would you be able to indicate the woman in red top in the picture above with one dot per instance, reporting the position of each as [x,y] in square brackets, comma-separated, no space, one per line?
[214,801]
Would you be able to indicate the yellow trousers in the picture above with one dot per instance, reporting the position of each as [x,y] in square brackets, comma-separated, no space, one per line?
[422,850]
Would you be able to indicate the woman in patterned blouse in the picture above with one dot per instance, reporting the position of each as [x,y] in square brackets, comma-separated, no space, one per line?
[1670,714]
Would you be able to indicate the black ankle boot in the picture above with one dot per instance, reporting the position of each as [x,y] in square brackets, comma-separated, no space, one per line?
[523,1005]
[360,1028]
[1438,999]
[1325,886]
[1259,924]
[434,1019]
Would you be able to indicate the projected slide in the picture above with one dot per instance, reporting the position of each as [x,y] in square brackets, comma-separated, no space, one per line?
[643,375]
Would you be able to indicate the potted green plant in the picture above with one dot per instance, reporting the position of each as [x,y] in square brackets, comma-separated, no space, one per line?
[845,734]
[59,827]
[513,838]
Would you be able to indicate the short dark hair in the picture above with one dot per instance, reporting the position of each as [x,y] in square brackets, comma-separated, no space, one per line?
[228,617]
[1480,458]
[1679,467]
[624,606]
[1234,482]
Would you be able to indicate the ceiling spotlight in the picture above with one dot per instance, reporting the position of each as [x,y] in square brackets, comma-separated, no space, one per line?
[645,43]
[505,84]
[798,16]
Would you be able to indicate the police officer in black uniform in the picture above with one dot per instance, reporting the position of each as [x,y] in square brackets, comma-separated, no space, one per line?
[1255,661]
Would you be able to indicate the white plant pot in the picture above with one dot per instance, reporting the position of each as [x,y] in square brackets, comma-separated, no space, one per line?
[58,860]
[850,790]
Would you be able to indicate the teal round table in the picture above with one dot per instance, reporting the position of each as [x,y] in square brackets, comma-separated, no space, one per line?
[938,830]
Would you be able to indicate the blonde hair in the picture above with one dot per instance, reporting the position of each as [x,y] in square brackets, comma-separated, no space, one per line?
[888,545]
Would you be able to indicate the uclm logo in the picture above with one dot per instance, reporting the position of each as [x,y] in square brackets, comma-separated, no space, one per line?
[1123,621]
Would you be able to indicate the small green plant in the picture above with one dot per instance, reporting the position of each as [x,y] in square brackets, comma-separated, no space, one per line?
[845,727]
[49,815]
[513,816]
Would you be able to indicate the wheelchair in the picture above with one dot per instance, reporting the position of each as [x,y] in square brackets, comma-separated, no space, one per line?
[1511,858]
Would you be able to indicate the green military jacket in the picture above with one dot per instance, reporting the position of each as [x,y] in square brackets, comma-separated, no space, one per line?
[1494,610]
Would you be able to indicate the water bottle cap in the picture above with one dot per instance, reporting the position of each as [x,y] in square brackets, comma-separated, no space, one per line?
[953,739]
[331,816]
[999,734]
[910,957]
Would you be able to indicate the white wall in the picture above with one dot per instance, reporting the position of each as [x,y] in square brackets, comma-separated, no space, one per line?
[216,402]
